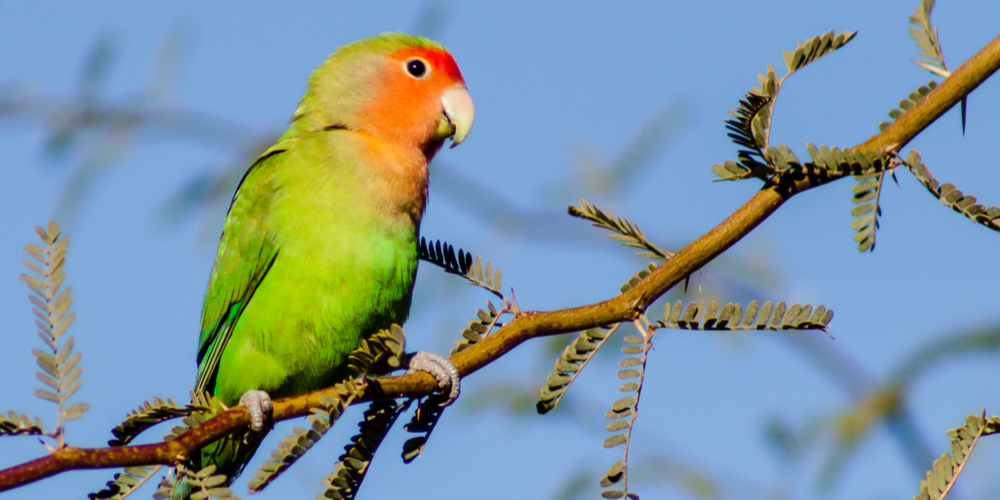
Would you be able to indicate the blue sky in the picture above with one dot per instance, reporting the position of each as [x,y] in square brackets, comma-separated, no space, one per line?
[555,84]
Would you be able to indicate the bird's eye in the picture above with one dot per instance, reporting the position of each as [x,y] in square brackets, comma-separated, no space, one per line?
[417,68]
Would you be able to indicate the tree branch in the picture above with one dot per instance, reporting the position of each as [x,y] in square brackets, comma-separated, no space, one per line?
[532,324]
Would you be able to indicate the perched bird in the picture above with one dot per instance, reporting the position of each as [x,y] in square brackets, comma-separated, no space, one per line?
[320,246]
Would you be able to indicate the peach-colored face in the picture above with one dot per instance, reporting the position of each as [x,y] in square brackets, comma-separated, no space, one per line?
[408,105]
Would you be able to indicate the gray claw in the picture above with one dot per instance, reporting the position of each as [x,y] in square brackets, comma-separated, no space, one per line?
[442,369]
[259,403]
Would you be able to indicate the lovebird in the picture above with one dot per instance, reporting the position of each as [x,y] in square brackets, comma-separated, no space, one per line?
[320,245]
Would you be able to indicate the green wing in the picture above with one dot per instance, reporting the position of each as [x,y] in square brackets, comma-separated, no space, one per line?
[246,252]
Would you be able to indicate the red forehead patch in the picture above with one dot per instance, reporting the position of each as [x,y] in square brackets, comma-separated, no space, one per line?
[439,60]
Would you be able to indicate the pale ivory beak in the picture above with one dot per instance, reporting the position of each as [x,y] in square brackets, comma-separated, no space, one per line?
[459,111]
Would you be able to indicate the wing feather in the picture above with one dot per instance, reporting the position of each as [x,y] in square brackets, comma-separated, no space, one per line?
[247,251]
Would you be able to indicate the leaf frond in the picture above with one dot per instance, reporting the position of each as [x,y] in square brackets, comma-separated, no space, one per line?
[637,277]
[478,328]
[423,422]
[625,231]
[189,422]
[202,408]
[349,472]
[570,363]
[125,483]
[207,484]
[750,128]
[145,416]
[926,36]
[387,345]
[911,100]
[945,470]
[165,489]
[950,196]
[814,48]
[205,402]
[443,255]
[833,161]
[51,303]
[625,410]
[867,194]
[769,316]
[579,352]
[13,424]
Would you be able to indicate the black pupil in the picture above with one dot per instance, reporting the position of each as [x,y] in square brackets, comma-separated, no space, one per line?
[416,68]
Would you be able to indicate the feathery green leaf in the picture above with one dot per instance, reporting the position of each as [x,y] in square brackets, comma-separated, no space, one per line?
[945,470]
[701,316]
[867,193]
[625,231]
[350,470]
[814,48]
[953,197]
[462,264]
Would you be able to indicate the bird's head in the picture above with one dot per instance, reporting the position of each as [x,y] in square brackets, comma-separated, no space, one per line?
[399,88]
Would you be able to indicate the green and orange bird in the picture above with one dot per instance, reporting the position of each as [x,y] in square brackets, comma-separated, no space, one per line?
[320,246]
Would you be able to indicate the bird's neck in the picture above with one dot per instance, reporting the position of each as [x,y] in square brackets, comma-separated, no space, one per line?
[398,176]
[392,173]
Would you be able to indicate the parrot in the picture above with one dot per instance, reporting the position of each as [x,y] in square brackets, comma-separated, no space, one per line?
[319,248]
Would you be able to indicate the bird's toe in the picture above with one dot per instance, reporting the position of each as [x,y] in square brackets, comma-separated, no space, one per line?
[259,405]
[442,369]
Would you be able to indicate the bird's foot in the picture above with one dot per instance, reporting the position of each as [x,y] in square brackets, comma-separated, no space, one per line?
[442,369]
[259,404]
